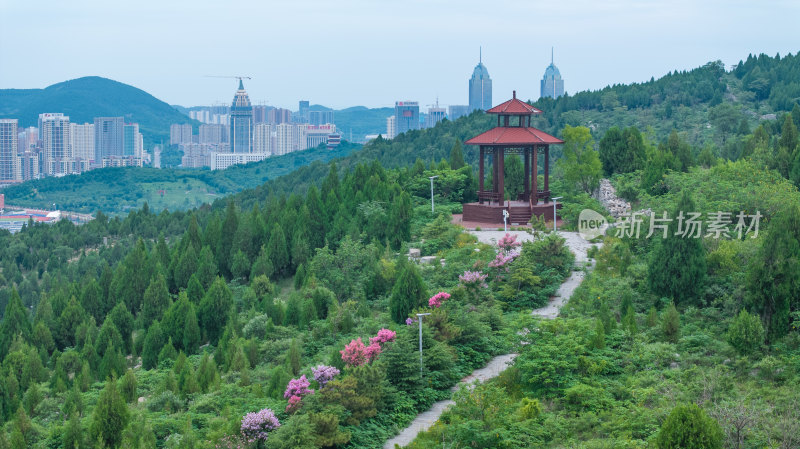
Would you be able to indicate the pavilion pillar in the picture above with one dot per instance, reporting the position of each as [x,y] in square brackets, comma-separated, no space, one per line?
[534,173]
[501,175]
[494,171]
[547,169]
[527,184]
[480,177]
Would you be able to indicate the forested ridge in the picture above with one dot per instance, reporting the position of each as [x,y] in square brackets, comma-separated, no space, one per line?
[284,316]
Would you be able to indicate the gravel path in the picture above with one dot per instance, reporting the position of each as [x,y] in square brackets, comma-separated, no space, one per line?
[426,419]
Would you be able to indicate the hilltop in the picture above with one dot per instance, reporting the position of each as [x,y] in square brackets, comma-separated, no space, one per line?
[82,99]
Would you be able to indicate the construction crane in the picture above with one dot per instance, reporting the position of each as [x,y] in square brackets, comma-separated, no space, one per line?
[234,76]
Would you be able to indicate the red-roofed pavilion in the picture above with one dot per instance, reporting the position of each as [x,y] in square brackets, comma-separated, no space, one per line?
[512,135]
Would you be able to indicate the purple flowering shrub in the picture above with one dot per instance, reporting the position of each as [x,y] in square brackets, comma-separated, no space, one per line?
[324,374]
[298,387]
[256,426]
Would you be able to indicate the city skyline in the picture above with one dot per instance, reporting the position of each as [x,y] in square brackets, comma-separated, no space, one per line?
[598,45]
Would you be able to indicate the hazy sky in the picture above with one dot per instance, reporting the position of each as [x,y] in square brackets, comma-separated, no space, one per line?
[346,53]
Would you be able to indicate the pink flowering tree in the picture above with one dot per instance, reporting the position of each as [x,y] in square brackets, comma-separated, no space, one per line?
[294,404]
[437,299]
[298,387]
[508,242]
[373,351]
[473,280]
[354,353]
[324,374]
[256,426]
[384,336]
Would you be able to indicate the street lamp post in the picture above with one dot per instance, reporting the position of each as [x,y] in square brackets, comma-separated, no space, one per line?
[555,229]
[432,178]
[505,219]
[419,317]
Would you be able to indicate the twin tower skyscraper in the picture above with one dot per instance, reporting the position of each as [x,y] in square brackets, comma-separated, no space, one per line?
[480,85]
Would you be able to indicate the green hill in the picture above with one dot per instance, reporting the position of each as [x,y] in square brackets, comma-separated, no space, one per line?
[82,99]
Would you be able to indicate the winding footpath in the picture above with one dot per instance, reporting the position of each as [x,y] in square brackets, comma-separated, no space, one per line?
[496,365]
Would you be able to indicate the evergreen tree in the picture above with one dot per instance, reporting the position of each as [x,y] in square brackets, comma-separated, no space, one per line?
[174,322]
[186,267]
[689,427]
[774,276]
[112,364]
[399,223]
[128,386]
[110,416]
[153,343]
[671,325]
[15,322]
[277,250]
[456,156]
[598,340]
[168,352]
[677,267]
[581,163]
[229,226]
[746,334]
[109,336]
[294,358]
[123,320]
[73,433]
[206,268]
[132,278]
[191,332]
[262,266]
[156,300]
[207,373]
[214,309]
[92,300]
[316,217]
[240,268]
[72,316]
[195,290]
[408,292]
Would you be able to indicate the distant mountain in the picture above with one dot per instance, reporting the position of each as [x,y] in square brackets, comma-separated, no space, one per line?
[361,121]
[85,98]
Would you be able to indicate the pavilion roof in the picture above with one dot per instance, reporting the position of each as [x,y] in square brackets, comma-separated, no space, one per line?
[514,107]
[513,135]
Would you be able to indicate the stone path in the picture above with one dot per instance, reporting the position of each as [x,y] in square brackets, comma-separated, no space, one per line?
[496,365]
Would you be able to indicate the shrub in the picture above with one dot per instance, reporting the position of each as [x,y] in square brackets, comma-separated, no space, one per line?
[746,334]
[689,427]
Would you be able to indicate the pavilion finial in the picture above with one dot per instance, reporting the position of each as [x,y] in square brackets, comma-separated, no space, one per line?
[514,93]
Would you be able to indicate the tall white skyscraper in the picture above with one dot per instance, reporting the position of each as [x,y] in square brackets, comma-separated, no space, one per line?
[391,127]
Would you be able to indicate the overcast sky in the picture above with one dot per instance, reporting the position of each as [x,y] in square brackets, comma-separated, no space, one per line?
[373,52]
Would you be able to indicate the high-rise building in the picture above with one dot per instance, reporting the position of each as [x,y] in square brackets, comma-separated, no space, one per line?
[179,134]
[108,137]
[317,118]
[552,85]
[406,115]
[455,111]
[54,132]
[215,134]
[262,138]
[303,109]
[132,141]
[435,115]
[260,113]
[312,136]
[81,138]
[480,88]
[28,139]
[277,116]
[391,127]
[8,150]
[287,139]
[241,122]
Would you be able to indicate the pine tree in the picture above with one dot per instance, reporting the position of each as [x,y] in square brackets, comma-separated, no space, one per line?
[399,223]
[277,249]
[456,156]
[598,340]
[128,386]
[262,266]
[191,332]
[133,277]
[186,267]
[294,358]
[123,320]
[671,324]
[316,217]
[168,352]
[195,290]
[73,402]
[206,268]
[677,267]
[92,300]
[240,268]
[214,309]
[108,336]
[156,300]
[15,321]
[229,226]
[73,433]
[110,416]
[72,317]
[153,343]
[408,292]
[774,276]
